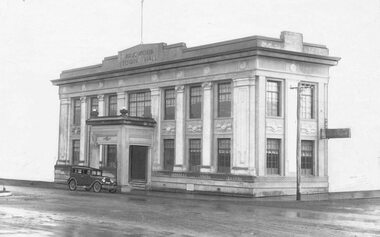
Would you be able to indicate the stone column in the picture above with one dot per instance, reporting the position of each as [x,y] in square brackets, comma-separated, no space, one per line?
[322,123]
[207,128]
[83,130]
[179,129]
[241,149]
[290,127]
[260,125]
[63,143]
[252,129]
[156,115]
[101,105]
[122,101]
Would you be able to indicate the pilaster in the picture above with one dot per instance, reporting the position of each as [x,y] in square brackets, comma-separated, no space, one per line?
[63,143]
[83,130]
[241,115]
[260,125]
[207,128]
[180,129]
[155,94]
[321,155]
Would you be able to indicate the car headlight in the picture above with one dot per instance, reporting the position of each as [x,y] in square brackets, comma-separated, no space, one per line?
[103,180]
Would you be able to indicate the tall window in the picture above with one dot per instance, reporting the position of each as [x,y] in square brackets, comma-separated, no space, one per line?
[77,112]
[112,105]
[307,101]
[224,155]
[169,154]
[307,157]
[224,100]
[169,104]
[94,104]
[195,102]
[139,104]
[273,98]
[75,152]
[195,150]
[110,156]
[273,156]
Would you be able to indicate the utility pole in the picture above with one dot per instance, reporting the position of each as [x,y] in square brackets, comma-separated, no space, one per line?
[299,90]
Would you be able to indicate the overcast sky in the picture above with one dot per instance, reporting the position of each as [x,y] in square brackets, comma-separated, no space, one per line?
[40,38]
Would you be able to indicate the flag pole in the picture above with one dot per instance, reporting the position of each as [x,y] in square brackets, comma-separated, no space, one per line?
[142,6]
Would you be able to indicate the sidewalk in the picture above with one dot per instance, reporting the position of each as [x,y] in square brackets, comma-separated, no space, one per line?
[208,196]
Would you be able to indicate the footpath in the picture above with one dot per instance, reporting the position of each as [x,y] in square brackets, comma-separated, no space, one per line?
[205,196]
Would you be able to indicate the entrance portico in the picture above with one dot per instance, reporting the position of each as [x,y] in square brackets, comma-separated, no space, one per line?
[133,138]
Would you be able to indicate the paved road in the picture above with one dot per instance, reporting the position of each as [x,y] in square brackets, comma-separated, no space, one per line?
[56,212]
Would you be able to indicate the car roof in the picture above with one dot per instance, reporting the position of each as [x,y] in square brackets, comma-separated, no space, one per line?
[84,167]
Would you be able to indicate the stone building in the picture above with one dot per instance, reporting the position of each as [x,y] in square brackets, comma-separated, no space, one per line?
[220,117]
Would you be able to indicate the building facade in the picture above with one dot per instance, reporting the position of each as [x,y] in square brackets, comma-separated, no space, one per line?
[214,118]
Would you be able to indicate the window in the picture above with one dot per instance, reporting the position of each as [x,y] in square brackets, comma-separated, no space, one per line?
[273,98]
[307,156]
[307,101]
[139,104]
[224,100]
[94,104]
[75,152]
[169,154]
[77,111]
[195,151]
[273,156]
[224,155]
[169,104]
[110,156]
[195,102]
[112,105]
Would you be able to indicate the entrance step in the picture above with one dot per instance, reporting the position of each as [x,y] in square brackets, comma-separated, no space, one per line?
[138,184]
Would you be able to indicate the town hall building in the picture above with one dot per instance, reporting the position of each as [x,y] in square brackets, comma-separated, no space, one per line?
[219,118]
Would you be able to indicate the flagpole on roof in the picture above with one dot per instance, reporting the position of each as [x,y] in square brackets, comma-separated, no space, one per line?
[142,6]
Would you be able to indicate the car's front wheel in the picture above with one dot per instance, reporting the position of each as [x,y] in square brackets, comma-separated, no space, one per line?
[97,187]
[72,185]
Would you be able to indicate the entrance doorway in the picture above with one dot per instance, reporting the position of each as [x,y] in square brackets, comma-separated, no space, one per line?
[138,156]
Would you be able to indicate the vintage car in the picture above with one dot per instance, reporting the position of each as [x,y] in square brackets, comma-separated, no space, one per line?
[90,178]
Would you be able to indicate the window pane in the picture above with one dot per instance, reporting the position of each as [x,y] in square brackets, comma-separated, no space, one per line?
[195,102]
[77,112]
[169,154]
[94,104]
[169,104]
[110,156]
[273,98]
[139,104]
[273,156]
[224,155]
[195,155]
[112,105]
[307,157]
[224,100]
[75,152]
[307,101]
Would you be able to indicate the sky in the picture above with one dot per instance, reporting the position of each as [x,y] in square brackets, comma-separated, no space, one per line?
[41,38]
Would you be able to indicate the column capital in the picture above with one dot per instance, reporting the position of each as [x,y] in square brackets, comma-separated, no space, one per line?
[100,97]
[207,85]
[180,89]
[65,101]
[246,81]
[155,91]
[120,94]
[83,99]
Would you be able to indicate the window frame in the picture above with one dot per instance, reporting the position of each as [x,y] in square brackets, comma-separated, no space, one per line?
[270,170]
[137,101]
[279,97]
[218,93]
[189,102]
[165,99]
[226,170]
[109,108]
[75,143]
[304,115]
[77,111]
[166,152]
[308,171]
[196,167]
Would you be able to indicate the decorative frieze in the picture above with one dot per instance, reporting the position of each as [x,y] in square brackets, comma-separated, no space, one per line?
[309,128]
[194,127]
[180,89]
[223,126]
[168,128]
[274,126]
[75,130]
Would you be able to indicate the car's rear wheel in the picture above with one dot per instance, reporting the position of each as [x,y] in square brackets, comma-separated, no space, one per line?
[72,185]
[97,187]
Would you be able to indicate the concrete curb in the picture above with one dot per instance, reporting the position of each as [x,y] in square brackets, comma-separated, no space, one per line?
[5,193]
[199,195]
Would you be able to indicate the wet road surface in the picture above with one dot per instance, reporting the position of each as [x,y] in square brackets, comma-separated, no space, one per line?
[56,212]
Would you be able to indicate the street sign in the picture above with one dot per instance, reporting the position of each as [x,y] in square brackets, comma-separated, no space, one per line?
[335,133]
